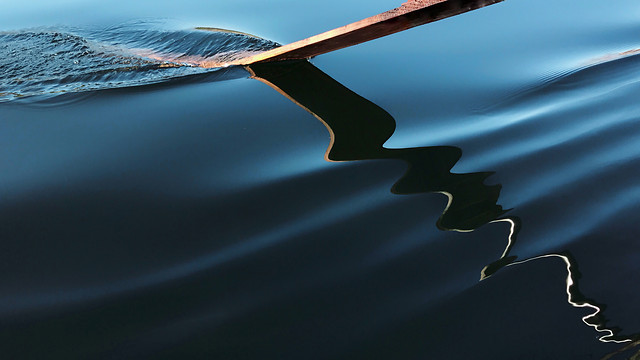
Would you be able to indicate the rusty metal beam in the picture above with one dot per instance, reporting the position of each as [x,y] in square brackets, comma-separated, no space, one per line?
[410,14]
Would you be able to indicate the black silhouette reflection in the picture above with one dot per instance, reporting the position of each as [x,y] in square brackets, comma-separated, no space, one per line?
[359,129]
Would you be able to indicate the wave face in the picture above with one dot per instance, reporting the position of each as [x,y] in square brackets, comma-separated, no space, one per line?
[48,62]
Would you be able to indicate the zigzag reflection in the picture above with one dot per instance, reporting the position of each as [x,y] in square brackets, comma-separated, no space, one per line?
[359,129]
[596,319]
[576,298]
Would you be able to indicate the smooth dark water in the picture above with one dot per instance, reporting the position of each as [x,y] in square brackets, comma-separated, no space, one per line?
[470,191]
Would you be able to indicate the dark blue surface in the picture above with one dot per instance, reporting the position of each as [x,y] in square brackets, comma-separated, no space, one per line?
[199,219]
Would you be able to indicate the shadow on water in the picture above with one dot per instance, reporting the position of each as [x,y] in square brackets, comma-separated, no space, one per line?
[359,129]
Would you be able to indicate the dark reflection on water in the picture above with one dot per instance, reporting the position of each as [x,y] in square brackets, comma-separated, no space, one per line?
[359,129]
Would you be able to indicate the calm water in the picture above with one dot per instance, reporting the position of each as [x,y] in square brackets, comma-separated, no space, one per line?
[475,197]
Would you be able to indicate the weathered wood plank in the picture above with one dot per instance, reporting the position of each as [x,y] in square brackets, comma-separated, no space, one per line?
[410,14]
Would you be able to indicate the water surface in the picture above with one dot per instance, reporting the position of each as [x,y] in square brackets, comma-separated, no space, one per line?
[151,208]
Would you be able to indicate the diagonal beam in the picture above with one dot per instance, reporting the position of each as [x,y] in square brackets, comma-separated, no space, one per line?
[410,14]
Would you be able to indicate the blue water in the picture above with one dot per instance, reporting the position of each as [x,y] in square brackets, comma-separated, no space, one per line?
[152,208]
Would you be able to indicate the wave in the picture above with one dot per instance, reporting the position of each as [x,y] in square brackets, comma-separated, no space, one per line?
[54,61]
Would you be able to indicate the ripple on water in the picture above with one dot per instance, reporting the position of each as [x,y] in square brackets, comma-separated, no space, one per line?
[49,62]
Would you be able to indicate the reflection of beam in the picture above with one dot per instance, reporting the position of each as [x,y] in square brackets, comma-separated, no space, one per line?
[359,129]
[505,259]
[410,14]
[596,319]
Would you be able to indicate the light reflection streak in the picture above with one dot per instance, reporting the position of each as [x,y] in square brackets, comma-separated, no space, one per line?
[596,319]
[629,346]
[514,228]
